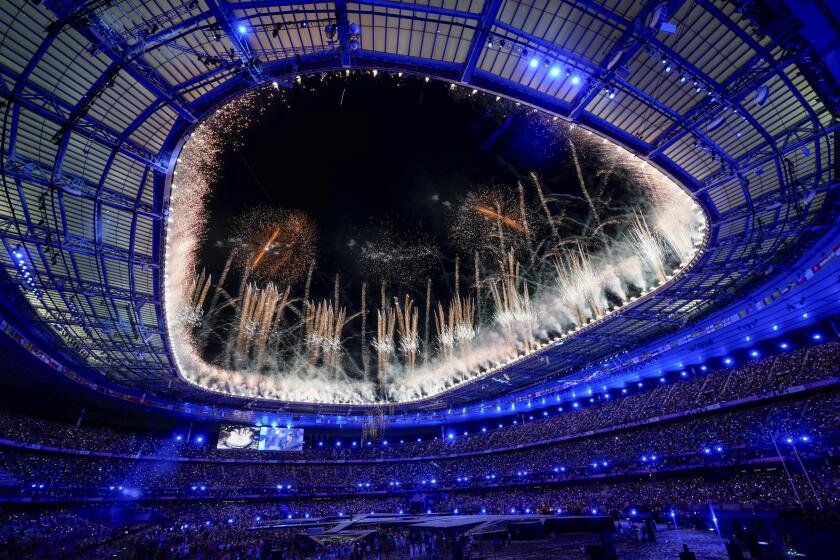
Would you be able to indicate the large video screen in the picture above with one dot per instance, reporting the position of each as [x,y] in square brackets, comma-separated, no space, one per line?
[263,439]
[281,439]
[238,437]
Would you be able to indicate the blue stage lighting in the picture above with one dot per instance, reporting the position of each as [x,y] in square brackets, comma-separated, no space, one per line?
[784,346]
[775,327]
[816,336]
[241,28]
[575,79]
[754,354]
[199,439]
[727,361]
[534,62]
[554,72]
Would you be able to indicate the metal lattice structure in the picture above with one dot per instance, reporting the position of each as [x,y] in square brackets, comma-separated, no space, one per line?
[97,95]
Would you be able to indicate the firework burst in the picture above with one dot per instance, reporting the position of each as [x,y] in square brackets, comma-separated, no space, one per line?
[275,244]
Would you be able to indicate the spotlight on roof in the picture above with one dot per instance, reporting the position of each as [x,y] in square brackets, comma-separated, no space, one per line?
[761,95]
[616,57]
[668,27]
[658,20]
[533,63]
[715,123]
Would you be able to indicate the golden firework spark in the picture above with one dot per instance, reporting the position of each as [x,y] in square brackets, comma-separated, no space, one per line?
[275,244]
[506,220]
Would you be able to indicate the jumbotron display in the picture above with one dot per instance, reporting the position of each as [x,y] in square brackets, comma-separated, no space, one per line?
[263,438]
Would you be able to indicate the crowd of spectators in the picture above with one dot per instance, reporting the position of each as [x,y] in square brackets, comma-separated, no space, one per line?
[776,451]
[249,529]
[650,400]
[804,427]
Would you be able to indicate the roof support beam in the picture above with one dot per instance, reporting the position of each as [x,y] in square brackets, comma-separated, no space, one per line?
[55,240]
[55,109]
[388,4]
[634,38]
[343,25]
[32,172]
[105,39]
[222,13]
[479,39]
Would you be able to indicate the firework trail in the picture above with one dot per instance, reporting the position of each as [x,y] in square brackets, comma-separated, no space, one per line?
[582,181]
[648,247]
[407,317]
[324,324]
[512,301]
[363,334]
[544,203]
[384,341]
[426,320]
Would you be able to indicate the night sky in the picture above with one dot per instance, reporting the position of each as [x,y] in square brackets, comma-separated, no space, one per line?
[369,158]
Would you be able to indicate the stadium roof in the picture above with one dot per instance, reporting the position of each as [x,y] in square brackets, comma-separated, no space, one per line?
[734,104]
